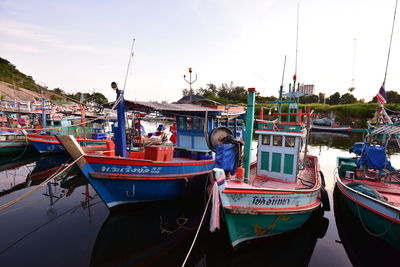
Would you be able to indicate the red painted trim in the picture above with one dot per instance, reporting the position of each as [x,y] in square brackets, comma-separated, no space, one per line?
[285,123]
[148,177]
[365,206]
[43,141]
[143,162]
[277,131]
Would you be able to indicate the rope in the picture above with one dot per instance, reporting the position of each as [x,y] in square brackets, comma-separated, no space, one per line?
[23,152]
[394,111]
[10,203]
[366,229]
[198,230]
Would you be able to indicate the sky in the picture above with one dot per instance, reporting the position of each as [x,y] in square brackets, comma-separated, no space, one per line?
[81,46]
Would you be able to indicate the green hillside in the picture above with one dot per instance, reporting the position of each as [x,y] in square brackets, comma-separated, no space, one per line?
[10,74]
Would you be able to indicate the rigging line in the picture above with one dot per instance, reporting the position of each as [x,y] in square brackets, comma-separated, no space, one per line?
[390,43]
[129,63]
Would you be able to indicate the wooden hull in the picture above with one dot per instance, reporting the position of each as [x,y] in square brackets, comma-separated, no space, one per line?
[50,144]
[244,227]
[13,147]
[253,212]
[342,129]
[121,181]
[379,218]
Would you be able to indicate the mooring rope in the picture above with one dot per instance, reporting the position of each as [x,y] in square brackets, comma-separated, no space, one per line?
[198,230]
[368,231]
[12,202]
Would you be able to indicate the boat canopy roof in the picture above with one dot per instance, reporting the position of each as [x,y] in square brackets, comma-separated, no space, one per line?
[387,129]
[180,109]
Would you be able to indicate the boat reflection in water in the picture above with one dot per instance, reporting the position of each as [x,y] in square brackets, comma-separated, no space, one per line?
[41,168]
[362,248]
[294,248]
[156,234]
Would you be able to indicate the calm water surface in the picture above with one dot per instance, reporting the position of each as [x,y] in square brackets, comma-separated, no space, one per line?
[66,224]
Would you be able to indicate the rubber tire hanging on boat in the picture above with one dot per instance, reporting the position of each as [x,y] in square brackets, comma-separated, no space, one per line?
[216,136]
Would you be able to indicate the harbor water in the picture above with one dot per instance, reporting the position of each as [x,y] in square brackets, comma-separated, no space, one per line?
[65,223]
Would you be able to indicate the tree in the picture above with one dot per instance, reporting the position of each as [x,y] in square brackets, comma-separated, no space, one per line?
[307,99]
[58,91]
[321,98]
[333,99]
[347,98]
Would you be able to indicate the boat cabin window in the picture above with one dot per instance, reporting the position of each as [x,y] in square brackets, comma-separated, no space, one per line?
[290,141]
[196,124]
[189,124]
[277,140]
[266,140]
[181,123]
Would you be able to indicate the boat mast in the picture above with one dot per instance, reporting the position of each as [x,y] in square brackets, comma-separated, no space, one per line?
[120,135]
[280,92]
[249,131]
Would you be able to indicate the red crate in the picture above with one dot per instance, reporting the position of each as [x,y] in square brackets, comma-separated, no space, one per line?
[159,153]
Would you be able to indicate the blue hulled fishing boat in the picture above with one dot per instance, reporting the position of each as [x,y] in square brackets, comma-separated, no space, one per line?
[152,172]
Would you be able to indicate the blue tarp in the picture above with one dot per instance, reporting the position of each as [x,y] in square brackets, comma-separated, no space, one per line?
[357,148]
[226,157]
[374,157]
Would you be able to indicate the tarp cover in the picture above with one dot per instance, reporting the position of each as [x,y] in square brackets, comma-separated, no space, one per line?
[367,190]
[374,157]
[226,157]
[357,148]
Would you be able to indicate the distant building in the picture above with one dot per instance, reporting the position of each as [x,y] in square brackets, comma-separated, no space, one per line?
[307,88]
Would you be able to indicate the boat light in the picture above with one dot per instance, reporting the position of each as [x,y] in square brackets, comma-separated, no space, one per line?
[114,86]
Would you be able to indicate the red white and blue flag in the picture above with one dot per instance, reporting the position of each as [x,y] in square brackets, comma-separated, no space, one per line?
[381,96]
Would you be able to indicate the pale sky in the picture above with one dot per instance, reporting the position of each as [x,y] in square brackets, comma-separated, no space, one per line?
[79,46]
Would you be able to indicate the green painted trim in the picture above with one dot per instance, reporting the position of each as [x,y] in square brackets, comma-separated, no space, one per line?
[265,161]
[276,162]
[288,164]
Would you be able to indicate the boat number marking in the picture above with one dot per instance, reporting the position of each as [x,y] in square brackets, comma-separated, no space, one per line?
[129,169]
[269,201]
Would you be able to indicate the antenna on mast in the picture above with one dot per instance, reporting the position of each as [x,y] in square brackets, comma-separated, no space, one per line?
[129,63]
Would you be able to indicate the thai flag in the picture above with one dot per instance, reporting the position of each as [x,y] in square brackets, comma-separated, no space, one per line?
[381,96]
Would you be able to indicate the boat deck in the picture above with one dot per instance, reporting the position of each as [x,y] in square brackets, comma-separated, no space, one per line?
[389,190]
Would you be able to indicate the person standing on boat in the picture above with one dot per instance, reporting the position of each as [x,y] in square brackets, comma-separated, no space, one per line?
[172,129]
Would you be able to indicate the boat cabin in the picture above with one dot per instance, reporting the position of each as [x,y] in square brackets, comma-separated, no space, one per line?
[191,133]
[278,152]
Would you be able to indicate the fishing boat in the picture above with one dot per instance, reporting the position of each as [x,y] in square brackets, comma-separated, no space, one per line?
[369,182]
[44,139]
[329,125]
[49,143]
[371,185]
[152,172]
[12,142]
[362,248]
[280,190]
